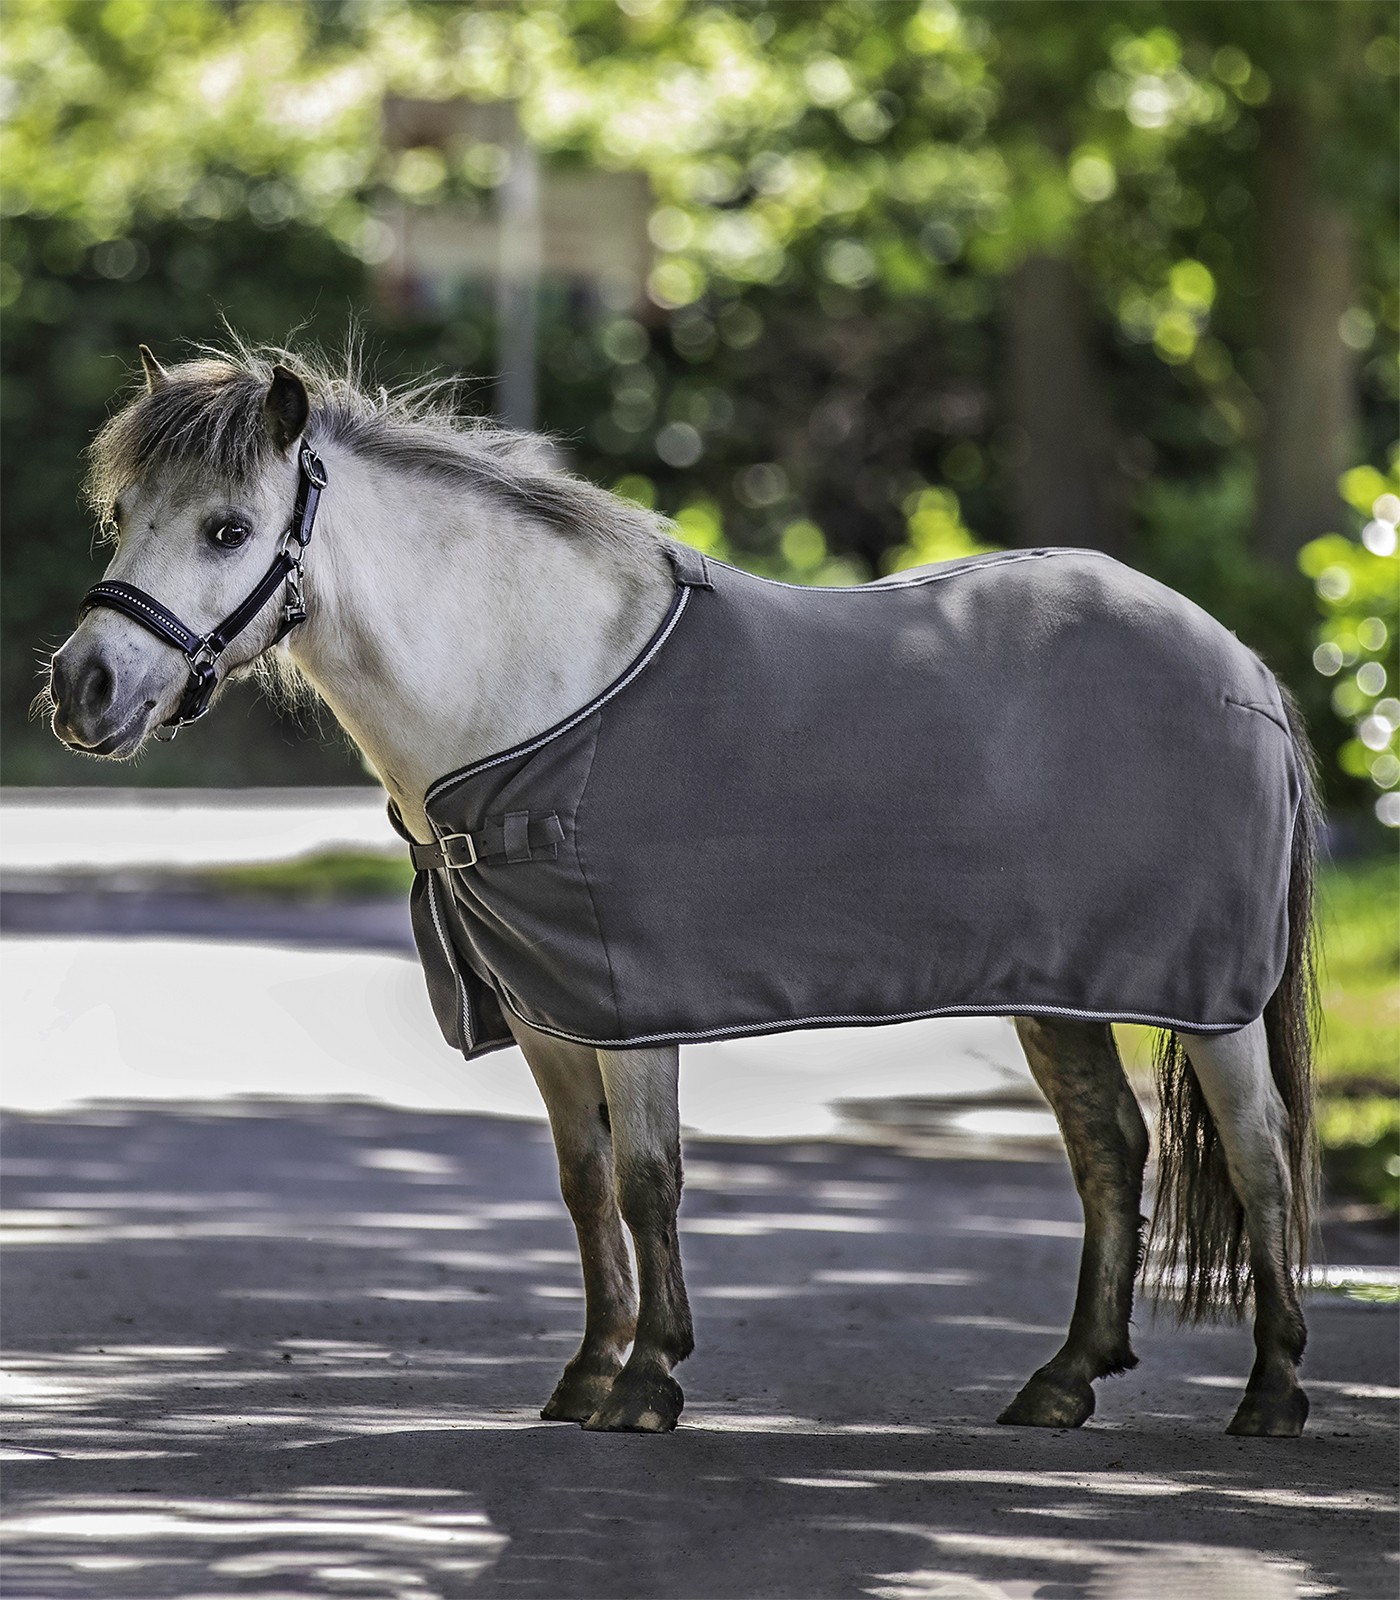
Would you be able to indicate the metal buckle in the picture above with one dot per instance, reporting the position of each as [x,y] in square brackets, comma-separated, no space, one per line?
[458,866]
[294,599]
[310,464]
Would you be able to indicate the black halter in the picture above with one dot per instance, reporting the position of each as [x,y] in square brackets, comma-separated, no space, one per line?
[202,651]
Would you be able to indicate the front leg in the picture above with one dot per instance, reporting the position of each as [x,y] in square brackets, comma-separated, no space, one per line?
[572,1087]
[641,1088]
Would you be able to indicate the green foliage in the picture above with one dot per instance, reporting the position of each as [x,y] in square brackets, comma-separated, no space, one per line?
[1359,1053]
[841,190]
[1358,592]
[1360,922]
[331,875]
[1194,536]
[1362,1141]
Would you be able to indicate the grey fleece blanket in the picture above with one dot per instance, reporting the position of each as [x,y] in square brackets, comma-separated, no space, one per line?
[1035,782]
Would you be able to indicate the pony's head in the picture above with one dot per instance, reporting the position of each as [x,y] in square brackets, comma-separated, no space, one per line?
[195,482]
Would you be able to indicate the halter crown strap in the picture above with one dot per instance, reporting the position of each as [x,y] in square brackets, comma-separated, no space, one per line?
[202,651]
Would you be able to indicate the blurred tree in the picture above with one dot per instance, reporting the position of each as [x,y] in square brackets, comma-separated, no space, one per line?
[920,266]
[1358,592]
[1322,85]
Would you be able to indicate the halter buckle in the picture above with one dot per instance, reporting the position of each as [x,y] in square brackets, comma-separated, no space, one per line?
[311,464]
[294,600]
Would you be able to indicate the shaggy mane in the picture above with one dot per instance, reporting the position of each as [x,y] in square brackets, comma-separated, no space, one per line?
[209,415]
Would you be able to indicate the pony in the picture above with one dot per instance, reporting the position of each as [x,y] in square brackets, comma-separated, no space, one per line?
[462,597]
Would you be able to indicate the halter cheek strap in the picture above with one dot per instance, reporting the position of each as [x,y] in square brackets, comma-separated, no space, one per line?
[202,651]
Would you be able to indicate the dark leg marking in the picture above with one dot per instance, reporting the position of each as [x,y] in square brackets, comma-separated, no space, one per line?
[1077,1067]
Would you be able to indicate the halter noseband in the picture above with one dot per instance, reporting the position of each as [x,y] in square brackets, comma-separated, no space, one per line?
[202,651]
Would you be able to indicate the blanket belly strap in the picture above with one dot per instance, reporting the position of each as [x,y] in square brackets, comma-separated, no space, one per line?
[500,841]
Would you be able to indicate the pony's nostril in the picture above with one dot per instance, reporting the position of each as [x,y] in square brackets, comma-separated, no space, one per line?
[94,689]
[60,682]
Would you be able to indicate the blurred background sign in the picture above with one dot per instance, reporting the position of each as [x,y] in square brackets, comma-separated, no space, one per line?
[592,237]
[577,228]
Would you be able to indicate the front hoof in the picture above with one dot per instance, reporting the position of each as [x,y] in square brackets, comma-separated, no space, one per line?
[1051,1400]
[639,1402]
[578,1395]
[1270,1416]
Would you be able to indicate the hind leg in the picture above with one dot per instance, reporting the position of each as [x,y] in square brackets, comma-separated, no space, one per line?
[1077,1067]
[572,1088]
[1233,1073]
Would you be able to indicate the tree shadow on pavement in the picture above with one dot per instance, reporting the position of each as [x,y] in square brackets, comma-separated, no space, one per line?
[291,1349]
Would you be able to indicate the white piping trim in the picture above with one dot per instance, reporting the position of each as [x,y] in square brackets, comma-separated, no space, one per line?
[714,1035]
[516,751]
[463,1021]
[966,568]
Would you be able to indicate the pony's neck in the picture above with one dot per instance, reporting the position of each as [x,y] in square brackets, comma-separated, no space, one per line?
[443,626]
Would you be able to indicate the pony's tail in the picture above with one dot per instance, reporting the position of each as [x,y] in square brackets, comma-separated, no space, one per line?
[1197,1240]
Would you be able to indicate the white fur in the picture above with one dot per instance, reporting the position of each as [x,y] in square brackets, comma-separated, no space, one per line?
[444,626]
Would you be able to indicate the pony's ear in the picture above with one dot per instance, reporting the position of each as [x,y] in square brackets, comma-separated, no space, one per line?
[156,375]
[285,408]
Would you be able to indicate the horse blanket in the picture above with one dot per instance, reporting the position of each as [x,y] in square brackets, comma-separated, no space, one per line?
[1028,783]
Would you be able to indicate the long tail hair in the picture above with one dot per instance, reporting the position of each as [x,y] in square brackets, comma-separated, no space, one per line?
[1197,1240]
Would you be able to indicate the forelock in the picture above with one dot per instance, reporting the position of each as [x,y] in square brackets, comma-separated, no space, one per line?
[208,414]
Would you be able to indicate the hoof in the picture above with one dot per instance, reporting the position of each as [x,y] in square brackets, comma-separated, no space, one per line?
[1270,1416]
[578,1395]
[639,1402]
[1050,1400]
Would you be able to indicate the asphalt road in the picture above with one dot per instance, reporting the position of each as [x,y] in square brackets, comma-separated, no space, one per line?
[268,1349]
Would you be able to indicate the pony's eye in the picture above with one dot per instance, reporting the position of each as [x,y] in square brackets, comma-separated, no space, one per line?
[230,534]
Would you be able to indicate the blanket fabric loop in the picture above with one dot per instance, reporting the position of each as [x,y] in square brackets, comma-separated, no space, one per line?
[516,837]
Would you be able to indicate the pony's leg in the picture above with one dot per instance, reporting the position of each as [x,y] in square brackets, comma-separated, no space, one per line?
[641,1088]
[572,1087]
[1233,1072]
[1076,1065]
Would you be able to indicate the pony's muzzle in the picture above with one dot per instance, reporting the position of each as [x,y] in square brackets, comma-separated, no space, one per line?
[92,712]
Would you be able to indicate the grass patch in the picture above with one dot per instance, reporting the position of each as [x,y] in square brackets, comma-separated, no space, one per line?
[1360,917]
[1358,1063]
[332,875]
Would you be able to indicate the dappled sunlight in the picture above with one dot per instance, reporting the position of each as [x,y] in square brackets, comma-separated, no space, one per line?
[238,1333]
[758,1226]
[1003,1325]
[1112,1569]
[1030,1227]
[1139,1486]
[366,1541]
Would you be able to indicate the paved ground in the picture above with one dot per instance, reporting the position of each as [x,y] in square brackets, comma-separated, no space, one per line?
[275,1350]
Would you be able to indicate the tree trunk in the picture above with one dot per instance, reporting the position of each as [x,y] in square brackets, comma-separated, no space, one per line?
[1067,486]
[1309,398]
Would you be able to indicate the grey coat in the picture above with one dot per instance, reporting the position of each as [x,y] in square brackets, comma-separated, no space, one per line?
[1030,783]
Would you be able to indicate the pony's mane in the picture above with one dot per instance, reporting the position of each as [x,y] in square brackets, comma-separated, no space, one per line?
[209,415]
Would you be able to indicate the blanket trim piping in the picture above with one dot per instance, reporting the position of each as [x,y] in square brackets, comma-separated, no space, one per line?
[672,617]
[464,1025]
[715,1035]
